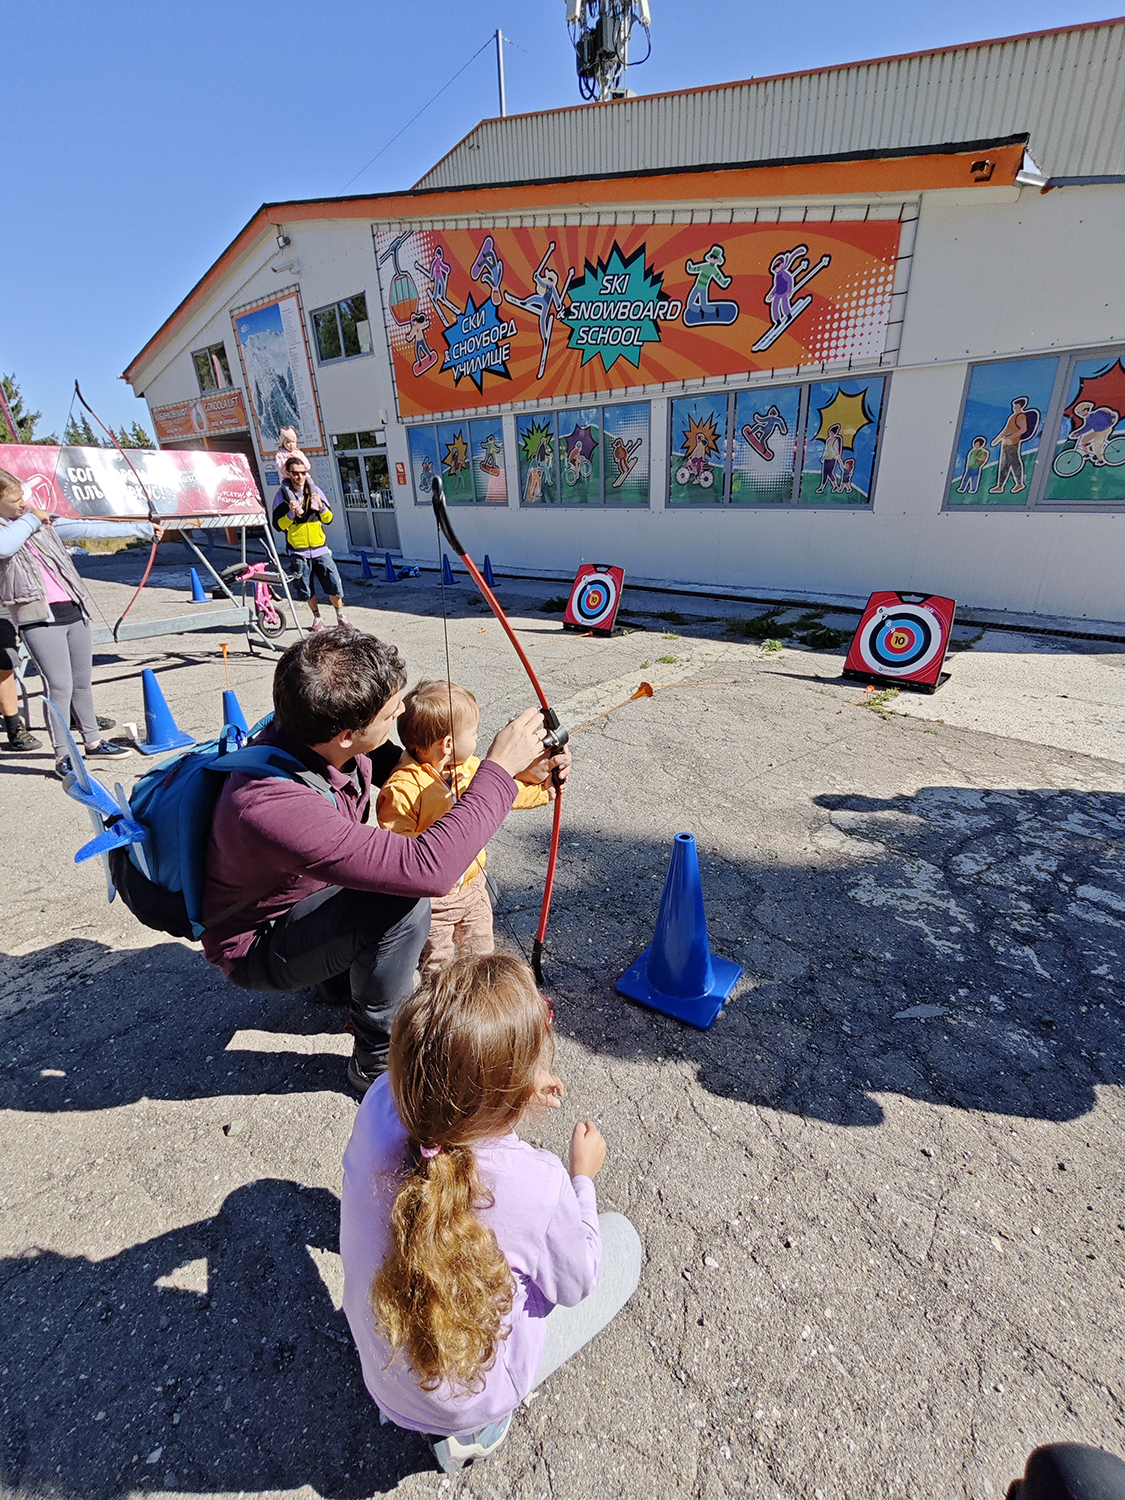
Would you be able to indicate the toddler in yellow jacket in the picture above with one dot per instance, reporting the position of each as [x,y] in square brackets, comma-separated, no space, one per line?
[439,764]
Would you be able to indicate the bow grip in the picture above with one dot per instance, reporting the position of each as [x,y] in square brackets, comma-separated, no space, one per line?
[554,740]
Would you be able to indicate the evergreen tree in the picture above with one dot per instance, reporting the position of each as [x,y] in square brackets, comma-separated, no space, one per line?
[133,436]
[25,420]
[79,433]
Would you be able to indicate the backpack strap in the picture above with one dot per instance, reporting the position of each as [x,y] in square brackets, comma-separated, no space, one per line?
[267,761]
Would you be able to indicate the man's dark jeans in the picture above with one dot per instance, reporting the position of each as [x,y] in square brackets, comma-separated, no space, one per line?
[375,939]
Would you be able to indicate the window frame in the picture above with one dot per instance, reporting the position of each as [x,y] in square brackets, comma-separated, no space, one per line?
[556,414]
[1068,360]
[206,352]
[794,502]
[334,307]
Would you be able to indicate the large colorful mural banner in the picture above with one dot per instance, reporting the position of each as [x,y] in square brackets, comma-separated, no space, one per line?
[481,317]
[77,482]
[279,379]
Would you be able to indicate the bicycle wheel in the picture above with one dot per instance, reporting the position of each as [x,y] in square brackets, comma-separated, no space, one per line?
[707,478]
[683,474]
[1068,462]
[274,627]
[1115,451]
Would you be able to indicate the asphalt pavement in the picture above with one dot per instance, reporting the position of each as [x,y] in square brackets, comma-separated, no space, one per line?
[881,1199]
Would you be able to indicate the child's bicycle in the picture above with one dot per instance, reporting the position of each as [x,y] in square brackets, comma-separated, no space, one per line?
[270,620]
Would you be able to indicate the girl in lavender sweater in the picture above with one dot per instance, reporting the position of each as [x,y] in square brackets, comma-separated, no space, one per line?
[474,1265]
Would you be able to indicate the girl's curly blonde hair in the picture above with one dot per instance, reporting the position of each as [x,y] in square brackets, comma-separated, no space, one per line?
[462,1069]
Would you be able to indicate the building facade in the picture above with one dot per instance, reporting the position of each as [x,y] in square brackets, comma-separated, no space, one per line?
[809,336]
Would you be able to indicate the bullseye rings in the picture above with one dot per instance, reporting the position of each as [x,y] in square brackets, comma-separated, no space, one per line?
[900,640]
[595,599]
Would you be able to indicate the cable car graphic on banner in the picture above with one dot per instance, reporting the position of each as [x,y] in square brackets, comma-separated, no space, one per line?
[902,638]
[595,598]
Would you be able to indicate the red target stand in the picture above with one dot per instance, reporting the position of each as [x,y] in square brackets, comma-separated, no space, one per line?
[902,640]
[595,597]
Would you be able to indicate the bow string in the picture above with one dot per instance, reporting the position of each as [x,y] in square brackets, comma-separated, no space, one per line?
[556,736]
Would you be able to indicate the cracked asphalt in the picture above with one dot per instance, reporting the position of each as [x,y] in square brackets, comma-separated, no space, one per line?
[881,1199]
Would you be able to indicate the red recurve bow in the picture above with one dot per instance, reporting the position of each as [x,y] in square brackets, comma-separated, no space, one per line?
[556,736]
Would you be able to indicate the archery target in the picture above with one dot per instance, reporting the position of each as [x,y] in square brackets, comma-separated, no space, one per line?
[594,598]
[902,638]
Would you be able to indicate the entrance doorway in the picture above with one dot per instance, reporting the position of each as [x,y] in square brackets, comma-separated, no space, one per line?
[361,458]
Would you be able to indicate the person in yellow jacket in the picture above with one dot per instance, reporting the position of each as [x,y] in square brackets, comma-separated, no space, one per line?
[438,765]
[301,512]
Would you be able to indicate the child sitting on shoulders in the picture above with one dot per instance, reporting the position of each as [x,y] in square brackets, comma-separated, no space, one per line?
[439,764]
[474,1264]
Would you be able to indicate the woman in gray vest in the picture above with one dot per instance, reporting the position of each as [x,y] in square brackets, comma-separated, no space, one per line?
[46,599]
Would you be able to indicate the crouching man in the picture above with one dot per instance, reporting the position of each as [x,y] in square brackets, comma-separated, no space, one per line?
[305,891]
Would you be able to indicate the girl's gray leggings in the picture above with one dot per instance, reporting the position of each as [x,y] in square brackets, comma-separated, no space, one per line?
[64,655]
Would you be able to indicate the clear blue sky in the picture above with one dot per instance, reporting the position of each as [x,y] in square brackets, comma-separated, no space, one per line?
[139,138]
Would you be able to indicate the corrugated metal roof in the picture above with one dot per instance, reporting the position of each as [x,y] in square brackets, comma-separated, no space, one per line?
[1066,88]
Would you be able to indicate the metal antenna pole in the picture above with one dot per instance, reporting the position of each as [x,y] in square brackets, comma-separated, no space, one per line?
[500,71]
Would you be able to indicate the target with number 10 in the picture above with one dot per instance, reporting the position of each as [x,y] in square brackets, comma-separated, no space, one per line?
[902,638]
[594,598]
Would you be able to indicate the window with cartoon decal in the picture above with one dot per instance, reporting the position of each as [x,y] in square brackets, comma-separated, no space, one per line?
[468,457]
[1047,432]
[595,455]
[811,444]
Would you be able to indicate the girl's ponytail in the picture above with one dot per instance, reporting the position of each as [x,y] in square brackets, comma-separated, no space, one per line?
[445,1288]
[464,1053]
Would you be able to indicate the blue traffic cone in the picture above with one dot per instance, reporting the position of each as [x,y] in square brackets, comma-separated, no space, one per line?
[677,973]
[232,712]
[197,594]
[488,578]
[161,730]
[446,570]
[389,574]
[365,563]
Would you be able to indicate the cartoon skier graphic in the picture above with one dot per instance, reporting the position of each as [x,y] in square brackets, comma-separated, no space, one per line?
[789,272]
[437,274]
[546,302]
[758,432]
[626,457]
[699,308]
[489,268]
[424,356]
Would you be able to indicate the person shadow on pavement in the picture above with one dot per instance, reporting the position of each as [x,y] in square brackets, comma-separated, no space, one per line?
[209,1359]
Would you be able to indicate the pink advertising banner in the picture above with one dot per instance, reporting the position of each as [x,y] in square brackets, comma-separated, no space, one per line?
[83,482]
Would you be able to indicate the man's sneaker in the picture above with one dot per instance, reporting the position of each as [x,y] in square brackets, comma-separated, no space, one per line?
[108,750]
[365,1067]
[342,620]
[453,1453]
[317,624]
[22,740]
[63,768]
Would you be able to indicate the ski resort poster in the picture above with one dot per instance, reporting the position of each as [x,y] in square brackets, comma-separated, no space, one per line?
[481,317]
[279,380]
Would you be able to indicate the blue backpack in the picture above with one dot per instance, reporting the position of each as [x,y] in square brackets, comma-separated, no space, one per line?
[175,803]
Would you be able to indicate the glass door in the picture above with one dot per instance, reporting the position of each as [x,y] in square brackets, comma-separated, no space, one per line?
[361,458]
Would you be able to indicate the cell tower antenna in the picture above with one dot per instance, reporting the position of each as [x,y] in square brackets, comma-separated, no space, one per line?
[600,31]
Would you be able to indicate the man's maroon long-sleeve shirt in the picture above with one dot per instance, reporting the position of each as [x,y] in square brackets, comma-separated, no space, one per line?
[275,841]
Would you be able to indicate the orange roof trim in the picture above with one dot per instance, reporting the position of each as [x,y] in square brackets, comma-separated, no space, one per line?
[867,174]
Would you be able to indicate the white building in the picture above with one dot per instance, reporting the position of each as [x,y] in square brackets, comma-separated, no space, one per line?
[809,336]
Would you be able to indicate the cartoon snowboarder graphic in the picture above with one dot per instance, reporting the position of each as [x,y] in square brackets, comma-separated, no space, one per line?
[546,302]
[489,268]
[789,272]
[758,432]
[626,457]
[424,356]
[490,452]
[699,308]
[437,274]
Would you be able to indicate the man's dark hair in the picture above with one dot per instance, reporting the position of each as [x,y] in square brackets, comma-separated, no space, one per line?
[334,680]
